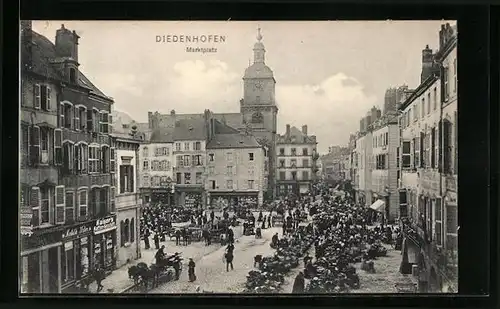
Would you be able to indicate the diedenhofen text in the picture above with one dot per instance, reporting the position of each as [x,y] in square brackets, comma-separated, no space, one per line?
[210,38]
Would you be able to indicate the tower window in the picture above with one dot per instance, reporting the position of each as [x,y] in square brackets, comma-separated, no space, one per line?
[257,118]
[72,75]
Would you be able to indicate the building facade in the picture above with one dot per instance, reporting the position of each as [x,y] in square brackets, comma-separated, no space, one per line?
[127,200]
[155,168]
[297,156]
[70,139]
[236,168]
[384,164]
[190,160]
[429,167]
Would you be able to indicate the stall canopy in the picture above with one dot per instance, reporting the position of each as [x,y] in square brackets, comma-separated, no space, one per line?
[378,205]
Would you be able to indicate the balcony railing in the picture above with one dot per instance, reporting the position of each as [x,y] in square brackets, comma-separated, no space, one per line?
[88,137]
[87,180]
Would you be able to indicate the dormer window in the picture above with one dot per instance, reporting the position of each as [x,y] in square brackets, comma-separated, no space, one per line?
[72,75]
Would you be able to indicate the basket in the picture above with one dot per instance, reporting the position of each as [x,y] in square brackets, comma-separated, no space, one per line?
[406,287]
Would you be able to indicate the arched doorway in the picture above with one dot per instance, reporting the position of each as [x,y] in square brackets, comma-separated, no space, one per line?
[434,285]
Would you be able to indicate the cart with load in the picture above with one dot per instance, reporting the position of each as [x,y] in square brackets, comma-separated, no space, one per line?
[248,228]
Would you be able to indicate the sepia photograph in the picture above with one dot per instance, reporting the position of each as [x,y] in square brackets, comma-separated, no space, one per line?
[248,157]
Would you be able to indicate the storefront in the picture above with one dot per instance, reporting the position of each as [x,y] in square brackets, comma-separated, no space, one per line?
[104,242]
[75,255]
[41,262]
[193,199]
[233,199]
[157,195]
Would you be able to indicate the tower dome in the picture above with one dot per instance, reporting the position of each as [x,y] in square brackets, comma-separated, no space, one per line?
[258,69]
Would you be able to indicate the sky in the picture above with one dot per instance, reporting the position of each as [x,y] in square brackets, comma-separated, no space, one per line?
[328,73]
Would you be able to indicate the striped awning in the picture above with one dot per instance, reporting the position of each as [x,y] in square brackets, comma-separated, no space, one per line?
[378,205]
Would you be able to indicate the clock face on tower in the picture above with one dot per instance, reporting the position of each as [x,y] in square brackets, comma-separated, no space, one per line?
[258,85]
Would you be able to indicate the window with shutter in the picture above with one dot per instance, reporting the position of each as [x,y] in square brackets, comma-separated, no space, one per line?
[122,233]
[78,159]
[35,202]
[112,199]
[446,146]
[83,204]
[131,178]
[90,120]
[112,163]
[110,123]
[37,101]
[45,209]
[455,142]
[70,207]
[25,142]
[60,205]
[132,230]
[123,177]
[422,149]
[58,153]
[61,115]
[69,115]
[438,215]
[76,118]
[97,120]
[126,231]
[34,145]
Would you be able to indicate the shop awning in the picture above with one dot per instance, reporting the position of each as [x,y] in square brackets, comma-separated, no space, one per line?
[378,205]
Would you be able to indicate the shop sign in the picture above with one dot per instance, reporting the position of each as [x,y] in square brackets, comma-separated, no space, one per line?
[105,225]
[76,232]
[40,239]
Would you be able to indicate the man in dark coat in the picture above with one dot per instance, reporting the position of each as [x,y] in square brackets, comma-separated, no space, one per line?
[157,240]
[146,239]
[229,255]
[191,267]
[298,284]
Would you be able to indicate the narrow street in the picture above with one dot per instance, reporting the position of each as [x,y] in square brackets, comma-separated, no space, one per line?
[211,270]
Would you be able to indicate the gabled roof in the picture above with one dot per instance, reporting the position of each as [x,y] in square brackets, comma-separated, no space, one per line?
[162,135]
[296,137]
[227,137]
[221,128]
[189,129]
[231,141]
[44,57]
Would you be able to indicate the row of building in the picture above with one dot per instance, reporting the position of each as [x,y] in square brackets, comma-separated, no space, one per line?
[404,163]
[78,202]
[84,179]
[203,161]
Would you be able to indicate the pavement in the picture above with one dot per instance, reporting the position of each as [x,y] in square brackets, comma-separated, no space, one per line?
[211,273]
[118,280]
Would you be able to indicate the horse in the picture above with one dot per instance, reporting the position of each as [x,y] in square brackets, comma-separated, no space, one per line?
[133,273]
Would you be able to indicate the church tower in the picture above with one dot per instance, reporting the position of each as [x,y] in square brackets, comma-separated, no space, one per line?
[258,106]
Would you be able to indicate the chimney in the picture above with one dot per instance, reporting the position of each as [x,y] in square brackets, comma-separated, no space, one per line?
[375,114]
[427,63]
[67,43]
[287,131]
[304,129]
[26,45]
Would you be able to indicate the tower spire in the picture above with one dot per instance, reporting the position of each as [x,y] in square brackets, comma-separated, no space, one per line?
[258,50]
